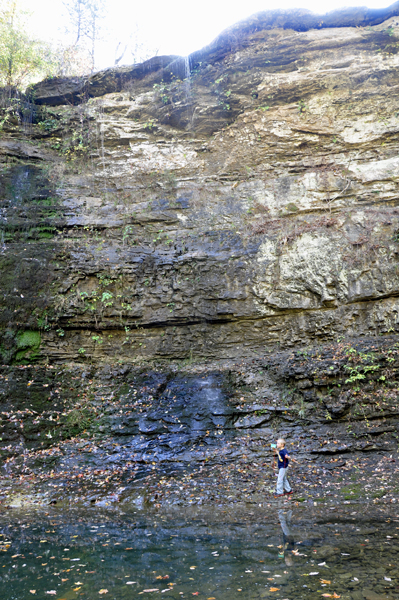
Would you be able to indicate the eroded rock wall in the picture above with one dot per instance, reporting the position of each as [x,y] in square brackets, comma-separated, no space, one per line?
[238,203]
[252,203]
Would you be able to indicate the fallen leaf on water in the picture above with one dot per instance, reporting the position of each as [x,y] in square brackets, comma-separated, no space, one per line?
[195,593]
[164,576]
[324,581]
[77,589]
[78,583]
[103,592]
[274,589]
[63,580]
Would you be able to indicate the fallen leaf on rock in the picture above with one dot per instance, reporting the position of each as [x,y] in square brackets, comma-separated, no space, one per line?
[324,581]
[76,589]
[103,592]
[274,589]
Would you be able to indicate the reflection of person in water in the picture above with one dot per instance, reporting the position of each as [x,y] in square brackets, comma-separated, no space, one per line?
[288,539]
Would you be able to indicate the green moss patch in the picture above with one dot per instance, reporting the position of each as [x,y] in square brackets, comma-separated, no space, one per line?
[28,344]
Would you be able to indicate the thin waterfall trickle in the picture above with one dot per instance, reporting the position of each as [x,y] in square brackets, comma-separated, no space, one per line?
[188,91]
[27,110]
[2,242]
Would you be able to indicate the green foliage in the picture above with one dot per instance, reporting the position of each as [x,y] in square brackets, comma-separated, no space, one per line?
[302,106]
[22,58]
[149,124]
[106,299]
[127,232]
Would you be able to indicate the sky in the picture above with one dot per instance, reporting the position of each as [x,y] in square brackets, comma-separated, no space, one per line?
[171,26]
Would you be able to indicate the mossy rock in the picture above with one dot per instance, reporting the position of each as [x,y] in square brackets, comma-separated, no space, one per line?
[28,344]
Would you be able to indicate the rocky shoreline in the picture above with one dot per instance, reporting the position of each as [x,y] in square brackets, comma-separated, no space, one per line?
[372,478]
[201,433]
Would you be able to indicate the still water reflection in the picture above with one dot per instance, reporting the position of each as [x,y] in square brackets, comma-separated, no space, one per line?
[284,551]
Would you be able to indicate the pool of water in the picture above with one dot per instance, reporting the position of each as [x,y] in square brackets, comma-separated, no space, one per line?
[284,551]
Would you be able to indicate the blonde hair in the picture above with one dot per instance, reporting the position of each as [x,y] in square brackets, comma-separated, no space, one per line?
[281,441]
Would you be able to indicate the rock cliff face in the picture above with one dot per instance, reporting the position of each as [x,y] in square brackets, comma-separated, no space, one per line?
[240,202]
[252,203]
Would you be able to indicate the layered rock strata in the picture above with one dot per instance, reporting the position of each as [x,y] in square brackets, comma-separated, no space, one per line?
[238,203]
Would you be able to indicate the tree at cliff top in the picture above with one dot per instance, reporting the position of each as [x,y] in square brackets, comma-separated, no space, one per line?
[85,18]
[23,59]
